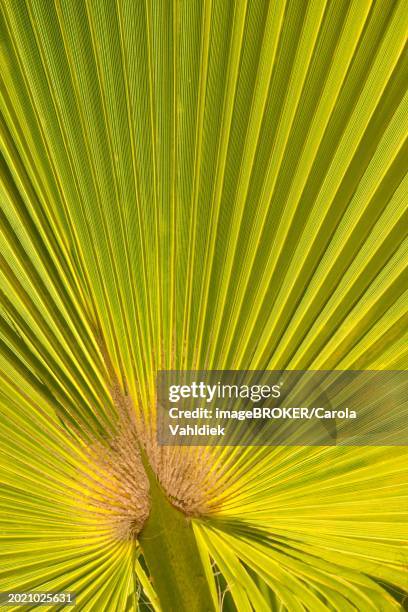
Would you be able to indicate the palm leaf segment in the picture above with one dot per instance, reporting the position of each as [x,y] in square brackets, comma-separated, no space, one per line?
[190,185]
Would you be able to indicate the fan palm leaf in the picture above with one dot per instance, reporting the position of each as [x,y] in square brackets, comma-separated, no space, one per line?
[198,185]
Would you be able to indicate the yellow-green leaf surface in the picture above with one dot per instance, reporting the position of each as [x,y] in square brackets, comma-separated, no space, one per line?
[198,184]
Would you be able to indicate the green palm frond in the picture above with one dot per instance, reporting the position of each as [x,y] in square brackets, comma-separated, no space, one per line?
[215,184]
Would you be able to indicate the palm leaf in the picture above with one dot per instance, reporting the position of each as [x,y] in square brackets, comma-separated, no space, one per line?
[191,185]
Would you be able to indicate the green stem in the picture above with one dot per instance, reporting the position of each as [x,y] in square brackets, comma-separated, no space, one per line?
[171,554]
